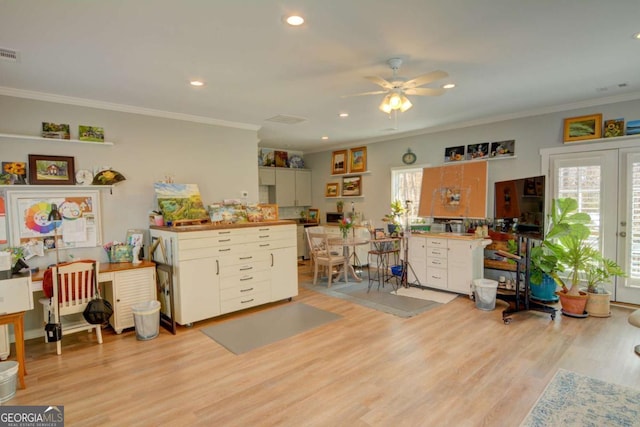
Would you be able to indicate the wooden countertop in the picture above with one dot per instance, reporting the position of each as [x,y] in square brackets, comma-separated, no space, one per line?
[456,236]
[204,227]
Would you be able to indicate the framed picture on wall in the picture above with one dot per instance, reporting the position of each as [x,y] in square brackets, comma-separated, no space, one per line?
[582,128]
[332,190]
[339,162]
[358,159]
[313,215]
[352,186]
[454,154]
[503,148]
[51,170]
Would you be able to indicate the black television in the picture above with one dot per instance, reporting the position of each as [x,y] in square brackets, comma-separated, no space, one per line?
[519,204]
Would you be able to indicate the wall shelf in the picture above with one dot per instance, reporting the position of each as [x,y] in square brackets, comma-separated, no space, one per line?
[29,187]
[9,137]
[344,197]
[350,174]
[485,159]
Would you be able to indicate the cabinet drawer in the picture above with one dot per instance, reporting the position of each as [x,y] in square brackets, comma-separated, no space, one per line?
[241,303]
[212,252]
[437,262]
[214,241]
[266,245]
[437,277]
[436,243]
[227,281]
[437,252]
[244,257]
[245,290]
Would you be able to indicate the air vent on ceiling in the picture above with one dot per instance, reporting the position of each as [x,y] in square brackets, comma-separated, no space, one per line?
[287,120]
[8,55]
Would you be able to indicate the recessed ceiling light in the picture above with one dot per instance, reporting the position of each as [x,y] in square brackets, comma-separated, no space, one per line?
[325,137]
[196,83]
[449,86]
[294,20]
[343,114]
[636,36]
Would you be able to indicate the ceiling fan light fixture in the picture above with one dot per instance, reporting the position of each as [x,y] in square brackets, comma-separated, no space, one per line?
[385,105]
[406,104]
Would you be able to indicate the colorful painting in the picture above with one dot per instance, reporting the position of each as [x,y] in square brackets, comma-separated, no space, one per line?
[454,154]
[55,130]
[180,201]
[478,151]
[503,148]
[91,133]
[613,128]
[282,158]
[633,127]
[13,173]
[266,157]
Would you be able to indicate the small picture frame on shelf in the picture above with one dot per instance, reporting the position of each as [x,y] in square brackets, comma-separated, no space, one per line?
[55,130]
[51,170]
[503,148]
[358,159]
[339,162]
[282,159]
[13,173]
[332,190]
[582,128]
[478,151]
[352,186]
[91,133]
[313,215]
[613,128]
[454,154]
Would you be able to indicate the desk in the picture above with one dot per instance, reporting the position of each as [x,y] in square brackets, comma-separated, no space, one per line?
[17,319]
[346,244]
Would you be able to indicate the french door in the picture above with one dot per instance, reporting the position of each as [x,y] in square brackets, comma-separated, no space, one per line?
[606,183]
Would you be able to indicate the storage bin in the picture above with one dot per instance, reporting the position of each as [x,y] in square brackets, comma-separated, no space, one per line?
[146,317]
[8,378]
[485,291]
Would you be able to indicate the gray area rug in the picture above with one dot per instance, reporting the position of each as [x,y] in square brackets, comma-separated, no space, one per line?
[265,327]
[381,300]
[571,399]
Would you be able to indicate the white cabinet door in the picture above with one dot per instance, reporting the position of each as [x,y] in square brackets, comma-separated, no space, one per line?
[303,188]
[284,273]
[417,260]
[197,295]
[460,266]
[267,176]
[285,187]
[130,287]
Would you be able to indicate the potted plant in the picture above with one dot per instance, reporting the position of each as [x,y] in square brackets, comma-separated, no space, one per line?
[599,299]
[395,217]
[567,247]
[339,205]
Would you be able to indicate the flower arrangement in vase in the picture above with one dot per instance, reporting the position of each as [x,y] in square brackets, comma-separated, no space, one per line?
[345,225]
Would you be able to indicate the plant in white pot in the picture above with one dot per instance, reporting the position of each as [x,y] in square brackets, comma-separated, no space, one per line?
[599,298]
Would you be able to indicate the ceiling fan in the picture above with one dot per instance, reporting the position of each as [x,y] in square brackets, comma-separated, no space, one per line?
[398,87]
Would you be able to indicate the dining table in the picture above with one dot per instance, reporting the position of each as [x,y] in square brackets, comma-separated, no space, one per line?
[347,244]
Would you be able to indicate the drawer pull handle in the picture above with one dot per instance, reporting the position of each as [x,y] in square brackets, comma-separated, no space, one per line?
[263,229]
[244,302]
[246,290]
[224,250]
[246,268]
[244,279]
[246,257]
[264,237]
[223,240]
[265,245]
[224,232]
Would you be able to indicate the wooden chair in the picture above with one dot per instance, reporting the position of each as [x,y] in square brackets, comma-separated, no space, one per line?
[74,286]
[322,256]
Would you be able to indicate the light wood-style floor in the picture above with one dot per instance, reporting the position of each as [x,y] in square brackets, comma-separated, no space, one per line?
[451,366]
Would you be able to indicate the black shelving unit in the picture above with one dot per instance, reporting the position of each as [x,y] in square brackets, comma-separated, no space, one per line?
[521,300]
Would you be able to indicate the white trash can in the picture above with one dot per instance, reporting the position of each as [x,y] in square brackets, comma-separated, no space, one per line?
[8,379]
[485,293]
[146,317]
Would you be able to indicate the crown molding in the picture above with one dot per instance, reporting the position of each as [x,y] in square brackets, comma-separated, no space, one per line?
[82,102]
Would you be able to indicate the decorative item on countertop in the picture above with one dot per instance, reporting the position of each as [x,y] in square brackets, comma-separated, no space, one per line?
[339,205]
[345,225]
[107,177]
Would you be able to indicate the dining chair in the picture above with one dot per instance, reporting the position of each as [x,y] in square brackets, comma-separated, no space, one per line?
[74,285]
[324,257]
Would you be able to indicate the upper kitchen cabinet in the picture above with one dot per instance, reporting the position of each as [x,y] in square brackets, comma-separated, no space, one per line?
[267,176]
[293,187]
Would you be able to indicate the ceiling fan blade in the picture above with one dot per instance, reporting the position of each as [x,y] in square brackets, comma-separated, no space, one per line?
[377,92]
[380,81]
[424,79]
[424,91]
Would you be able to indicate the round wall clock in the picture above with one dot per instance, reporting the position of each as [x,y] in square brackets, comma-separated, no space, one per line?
[84,177]
[408,158]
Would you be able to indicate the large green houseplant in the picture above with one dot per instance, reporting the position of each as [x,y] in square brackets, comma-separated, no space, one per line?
[567,248]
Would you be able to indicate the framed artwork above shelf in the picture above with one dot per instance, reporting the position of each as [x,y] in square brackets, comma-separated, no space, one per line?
[8,136]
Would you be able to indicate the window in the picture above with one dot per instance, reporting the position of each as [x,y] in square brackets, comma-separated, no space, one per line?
[405,185]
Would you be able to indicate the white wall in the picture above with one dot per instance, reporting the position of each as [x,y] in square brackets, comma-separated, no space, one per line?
[531,134]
